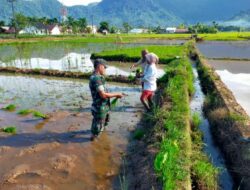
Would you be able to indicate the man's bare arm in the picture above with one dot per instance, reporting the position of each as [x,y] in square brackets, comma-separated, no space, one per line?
[106,95]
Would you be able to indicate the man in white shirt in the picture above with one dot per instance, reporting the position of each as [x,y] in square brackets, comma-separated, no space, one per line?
[142,61]
[149,80]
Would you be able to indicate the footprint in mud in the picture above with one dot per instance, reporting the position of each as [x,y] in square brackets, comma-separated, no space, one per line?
[20,170]
[38,148]
[64,163]
[32,187]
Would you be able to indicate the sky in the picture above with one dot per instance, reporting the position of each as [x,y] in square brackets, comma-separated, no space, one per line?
[77,2]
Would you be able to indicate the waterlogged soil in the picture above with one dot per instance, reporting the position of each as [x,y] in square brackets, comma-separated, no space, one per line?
[236,50]
[56,153]
[236,76]
[63,57]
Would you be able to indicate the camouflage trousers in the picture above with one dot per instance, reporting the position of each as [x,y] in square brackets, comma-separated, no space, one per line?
[99,122]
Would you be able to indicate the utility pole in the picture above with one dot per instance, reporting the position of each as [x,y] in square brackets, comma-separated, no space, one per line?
[13,16]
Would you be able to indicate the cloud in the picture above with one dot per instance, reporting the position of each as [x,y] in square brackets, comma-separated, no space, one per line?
[77,2]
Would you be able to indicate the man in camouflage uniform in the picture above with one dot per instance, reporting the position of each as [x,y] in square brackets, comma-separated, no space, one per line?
[101,98]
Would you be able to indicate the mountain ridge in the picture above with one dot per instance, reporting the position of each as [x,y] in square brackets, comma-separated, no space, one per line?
[135,12]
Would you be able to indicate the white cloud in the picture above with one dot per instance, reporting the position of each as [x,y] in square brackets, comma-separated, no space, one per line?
[77,2]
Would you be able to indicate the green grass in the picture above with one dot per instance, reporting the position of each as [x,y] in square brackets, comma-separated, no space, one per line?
[165,53]
[204,174]
[24,112]
[10,107]
[181,150]
[9,129]
[196,119]
[34,112]
[173,161]
[124,38]
[138,134]
[226,36]
[39,115]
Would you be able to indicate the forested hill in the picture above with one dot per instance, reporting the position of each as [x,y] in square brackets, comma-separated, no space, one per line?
[135,12]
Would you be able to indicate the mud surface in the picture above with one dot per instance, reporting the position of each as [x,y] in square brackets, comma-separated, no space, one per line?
[57,153]
[236,76]
[239,50]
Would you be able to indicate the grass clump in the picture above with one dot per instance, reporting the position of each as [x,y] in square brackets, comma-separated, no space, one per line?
[39,115]
[196,120]
[138,134]
[35,113]
[24,112]
[173,160]
[9,129]
[10,107]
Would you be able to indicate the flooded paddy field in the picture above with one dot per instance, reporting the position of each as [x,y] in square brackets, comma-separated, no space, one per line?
[234,73]
[56,153]
[63,57]
[236,76]
[233,50]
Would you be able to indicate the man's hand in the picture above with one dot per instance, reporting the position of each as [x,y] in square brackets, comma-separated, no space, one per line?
[119,95]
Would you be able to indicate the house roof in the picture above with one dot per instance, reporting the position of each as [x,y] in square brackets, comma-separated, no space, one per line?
[51,27]
[5,27]
[184,30]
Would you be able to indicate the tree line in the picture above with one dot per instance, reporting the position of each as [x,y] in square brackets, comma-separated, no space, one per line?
[79,25]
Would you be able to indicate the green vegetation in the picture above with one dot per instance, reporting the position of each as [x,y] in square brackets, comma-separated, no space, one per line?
[173,160]
[196,120]
[10,107]
[181,156]
[39,115]
[122,38]
[113,103]
[165,53]
[34,112]
[9,129]
[138,134]
[24,112]
[204,174]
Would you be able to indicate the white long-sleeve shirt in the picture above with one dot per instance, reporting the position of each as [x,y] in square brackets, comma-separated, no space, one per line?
[149,78]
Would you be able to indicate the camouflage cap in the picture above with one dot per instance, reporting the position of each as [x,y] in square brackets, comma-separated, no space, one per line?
[100,62]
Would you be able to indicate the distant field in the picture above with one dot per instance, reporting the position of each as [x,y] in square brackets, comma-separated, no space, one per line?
[165,53]
[124,38]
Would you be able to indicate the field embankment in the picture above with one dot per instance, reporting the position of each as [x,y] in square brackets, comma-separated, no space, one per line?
[65,74]
[165,53]
[229,121]
[123,38]
[180,162]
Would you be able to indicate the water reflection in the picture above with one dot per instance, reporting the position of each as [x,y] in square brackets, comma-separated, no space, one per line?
[239,50]
[49,95]
[236,76]
[62,57]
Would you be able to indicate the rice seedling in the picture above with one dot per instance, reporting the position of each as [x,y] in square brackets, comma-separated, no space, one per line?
[9,129]
[39,115]
[10,107]
[24,112]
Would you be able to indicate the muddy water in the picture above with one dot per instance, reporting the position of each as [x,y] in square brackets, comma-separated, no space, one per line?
[213,152]
[236,76]
[239,50]
[56,153]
